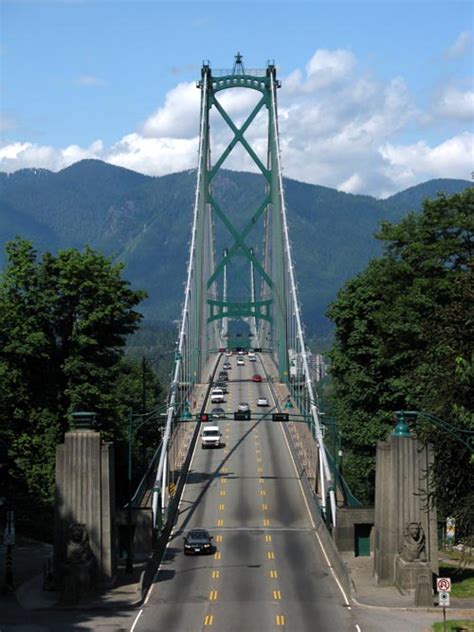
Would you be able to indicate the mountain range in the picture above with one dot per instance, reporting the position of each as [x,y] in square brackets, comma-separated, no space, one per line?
[145,222]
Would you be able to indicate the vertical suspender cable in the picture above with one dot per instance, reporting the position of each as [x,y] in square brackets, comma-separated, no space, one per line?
[299,330]
[160,479]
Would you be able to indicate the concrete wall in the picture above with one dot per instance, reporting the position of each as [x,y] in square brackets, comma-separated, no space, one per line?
[347,518]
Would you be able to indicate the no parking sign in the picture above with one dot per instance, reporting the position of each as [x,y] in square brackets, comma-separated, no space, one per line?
[443,584]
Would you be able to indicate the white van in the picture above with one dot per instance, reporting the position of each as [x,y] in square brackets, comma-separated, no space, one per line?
[211,437]
[217,396]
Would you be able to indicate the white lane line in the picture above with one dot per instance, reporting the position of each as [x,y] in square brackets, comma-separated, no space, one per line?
[312,521]
[136,620]
[358,628]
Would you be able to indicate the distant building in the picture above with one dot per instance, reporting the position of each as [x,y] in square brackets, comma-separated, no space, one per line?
[316,364]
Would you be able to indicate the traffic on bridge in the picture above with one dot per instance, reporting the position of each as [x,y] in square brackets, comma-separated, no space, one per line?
[263,567]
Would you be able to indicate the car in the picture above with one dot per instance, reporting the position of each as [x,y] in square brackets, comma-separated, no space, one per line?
[243,407]
[218,413]
[223,375]
[229,354]
[211,437]
[198,541]
[227,366]
[262,401]
[222,385]
[217,396]
[240,352]
[252,357]
[240,362]
[256,378]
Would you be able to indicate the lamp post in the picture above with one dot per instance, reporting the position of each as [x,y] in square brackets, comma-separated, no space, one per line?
[466,437]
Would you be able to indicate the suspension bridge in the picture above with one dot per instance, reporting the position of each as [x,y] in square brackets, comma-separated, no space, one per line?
[267,568]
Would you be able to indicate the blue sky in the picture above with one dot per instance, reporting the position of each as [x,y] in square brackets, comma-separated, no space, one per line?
[376,95]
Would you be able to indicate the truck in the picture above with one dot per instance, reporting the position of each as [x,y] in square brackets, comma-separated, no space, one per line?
[211,437]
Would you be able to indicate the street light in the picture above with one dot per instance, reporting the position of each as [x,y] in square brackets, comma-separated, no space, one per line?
[466,437]
[401,430]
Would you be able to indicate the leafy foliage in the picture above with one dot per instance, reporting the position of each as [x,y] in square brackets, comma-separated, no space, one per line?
[404,340]
[64,321]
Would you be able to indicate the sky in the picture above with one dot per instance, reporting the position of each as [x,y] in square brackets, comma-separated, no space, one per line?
[376,96]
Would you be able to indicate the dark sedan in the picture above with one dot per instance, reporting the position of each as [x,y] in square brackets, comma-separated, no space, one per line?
[198,541]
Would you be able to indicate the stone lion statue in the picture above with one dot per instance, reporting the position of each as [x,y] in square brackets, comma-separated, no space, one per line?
[414,545]
[80,566]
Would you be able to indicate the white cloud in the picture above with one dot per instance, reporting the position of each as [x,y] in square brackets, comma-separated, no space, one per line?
[28,155]
[339,127]
[456,104]
[409,164]
[179,115]
[155,156]
[460,46]
[330,65]
[89,81]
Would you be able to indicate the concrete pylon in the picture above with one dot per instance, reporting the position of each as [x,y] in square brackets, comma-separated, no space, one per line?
[402,498]
[85,496]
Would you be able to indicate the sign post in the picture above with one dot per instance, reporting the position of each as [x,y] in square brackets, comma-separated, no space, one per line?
[443,585]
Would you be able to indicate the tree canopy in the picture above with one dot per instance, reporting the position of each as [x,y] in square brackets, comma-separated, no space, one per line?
[64,321]
[404,341]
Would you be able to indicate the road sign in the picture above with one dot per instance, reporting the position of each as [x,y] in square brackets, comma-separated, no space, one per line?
[443,599]
[280,416]
[443,584]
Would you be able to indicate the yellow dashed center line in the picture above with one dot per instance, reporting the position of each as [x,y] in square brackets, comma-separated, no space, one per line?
[263,492]
[270,555]
[268,538]
[261,481]
[277,595]
[208,619]
[215,574]
[266,522]
[219,538]
[260,470]
[273,575]
[264,507]
[213,595]
[217,555]
[222,492]
[280,619]
[220,522]
[223,481]
[221,506]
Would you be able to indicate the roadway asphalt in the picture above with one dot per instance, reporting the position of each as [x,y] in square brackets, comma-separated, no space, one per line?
[267,572]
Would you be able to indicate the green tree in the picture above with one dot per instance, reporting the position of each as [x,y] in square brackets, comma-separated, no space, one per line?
[64,320]
[404,340]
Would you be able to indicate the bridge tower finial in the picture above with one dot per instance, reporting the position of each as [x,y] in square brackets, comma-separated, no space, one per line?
[238,65]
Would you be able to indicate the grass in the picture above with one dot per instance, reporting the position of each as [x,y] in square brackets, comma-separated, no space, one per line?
[458,625]
[462,581]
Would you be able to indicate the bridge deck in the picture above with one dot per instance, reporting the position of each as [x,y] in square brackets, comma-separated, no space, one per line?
[268,571]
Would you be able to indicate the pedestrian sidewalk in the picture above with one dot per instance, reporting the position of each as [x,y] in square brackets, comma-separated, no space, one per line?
[366,592]
[29,560]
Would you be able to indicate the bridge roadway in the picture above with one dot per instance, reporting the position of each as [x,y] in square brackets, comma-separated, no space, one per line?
[268,571]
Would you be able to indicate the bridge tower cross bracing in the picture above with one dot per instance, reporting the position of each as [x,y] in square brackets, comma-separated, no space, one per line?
[271,306]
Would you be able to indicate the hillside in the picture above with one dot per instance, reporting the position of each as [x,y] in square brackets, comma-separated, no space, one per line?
[145,222]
